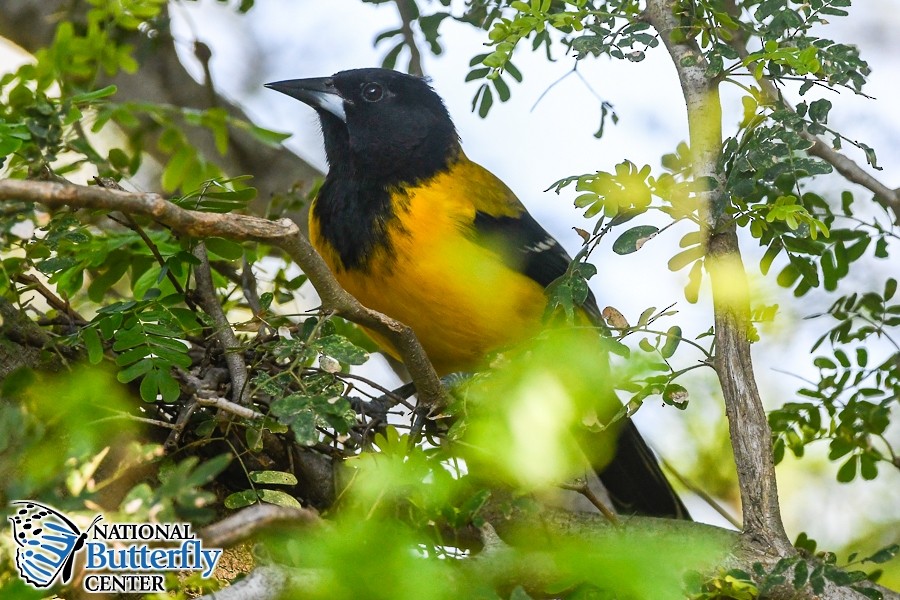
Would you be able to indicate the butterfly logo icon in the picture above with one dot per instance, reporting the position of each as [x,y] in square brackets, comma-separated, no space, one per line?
[47,543]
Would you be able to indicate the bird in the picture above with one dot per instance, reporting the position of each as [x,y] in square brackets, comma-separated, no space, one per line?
[414,229]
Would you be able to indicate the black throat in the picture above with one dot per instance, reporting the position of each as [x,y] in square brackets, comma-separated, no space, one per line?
[361,197]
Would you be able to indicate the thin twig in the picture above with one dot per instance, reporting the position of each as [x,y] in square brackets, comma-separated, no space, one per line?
[409,38]
[130,223]
[585,490]
[154,250]
[553,85]
[181,422]
[250,287]
[52,299]
[694,488]
[231,407]
[129,417]
[393,395]
[234,357]
[245,523]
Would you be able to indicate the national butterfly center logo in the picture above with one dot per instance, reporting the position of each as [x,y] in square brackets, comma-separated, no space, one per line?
[118,557]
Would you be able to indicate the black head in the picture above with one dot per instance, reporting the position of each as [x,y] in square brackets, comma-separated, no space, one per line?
[379,125]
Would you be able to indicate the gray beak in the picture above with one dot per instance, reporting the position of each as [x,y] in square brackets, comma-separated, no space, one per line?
[318,92]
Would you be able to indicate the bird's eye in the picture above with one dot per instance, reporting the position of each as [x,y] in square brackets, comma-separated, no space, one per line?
[372,92]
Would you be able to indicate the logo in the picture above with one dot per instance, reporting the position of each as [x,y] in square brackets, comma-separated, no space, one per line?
[118,557]
[47,542]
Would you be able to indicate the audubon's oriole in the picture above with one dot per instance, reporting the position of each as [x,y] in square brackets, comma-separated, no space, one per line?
[409,225]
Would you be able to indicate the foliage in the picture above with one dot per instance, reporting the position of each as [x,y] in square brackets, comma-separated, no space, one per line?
[851,402]
[122,296]
[766,165]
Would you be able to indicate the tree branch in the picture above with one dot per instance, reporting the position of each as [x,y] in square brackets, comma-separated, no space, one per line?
[499,561]
[283,233]
[748,426]
[52,299]
[249,521]
[231,346]
[405,8]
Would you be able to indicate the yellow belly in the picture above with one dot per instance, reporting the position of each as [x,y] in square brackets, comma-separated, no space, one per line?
[460,298]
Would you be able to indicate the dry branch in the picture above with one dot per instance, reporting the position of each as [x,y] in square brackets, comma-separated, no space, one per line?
[249,521]
[283,233]
[496,561]
[231,346]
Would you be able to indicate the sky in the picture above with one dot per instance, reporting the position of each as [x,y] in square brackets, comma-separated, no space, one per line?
[544,133]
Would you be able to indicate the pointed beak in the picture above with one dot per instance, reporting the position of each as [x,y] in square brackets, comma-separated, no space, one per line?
[318,92]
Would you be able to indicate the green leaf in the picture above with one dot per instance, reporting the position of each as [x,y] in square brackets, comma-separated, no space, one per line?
[149,386]
[93,96]
[297,412]
[225,248]
[266,136]
[92,344]
[645,316]
[890,288]
[817,581]
[273,477]
[676,395]
[168,387]
[847,472]
[801,574]
[502,89]
[8,145]
[487,100]
[265,300]
[839,447]
[673,338]
[279,498]
[686,257]
[176,170]
[868,592]
[339,347]
[207,471]
[136,370]
[477,74]
[884,555]
[695,278]
[804,542]
[634,239]
[868,467]
[241,499]
[390,59]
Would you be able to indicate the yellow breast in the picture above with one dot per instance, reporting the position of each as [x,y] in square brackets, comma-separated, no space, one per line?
[462,300]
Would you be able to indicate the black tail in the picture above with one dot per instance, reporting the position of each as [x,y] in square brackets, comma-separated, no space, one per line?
[635,481]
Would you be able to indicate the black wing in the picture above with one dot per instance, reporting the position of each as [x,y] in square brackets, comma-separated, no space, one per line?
[528,248]
[633,477]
